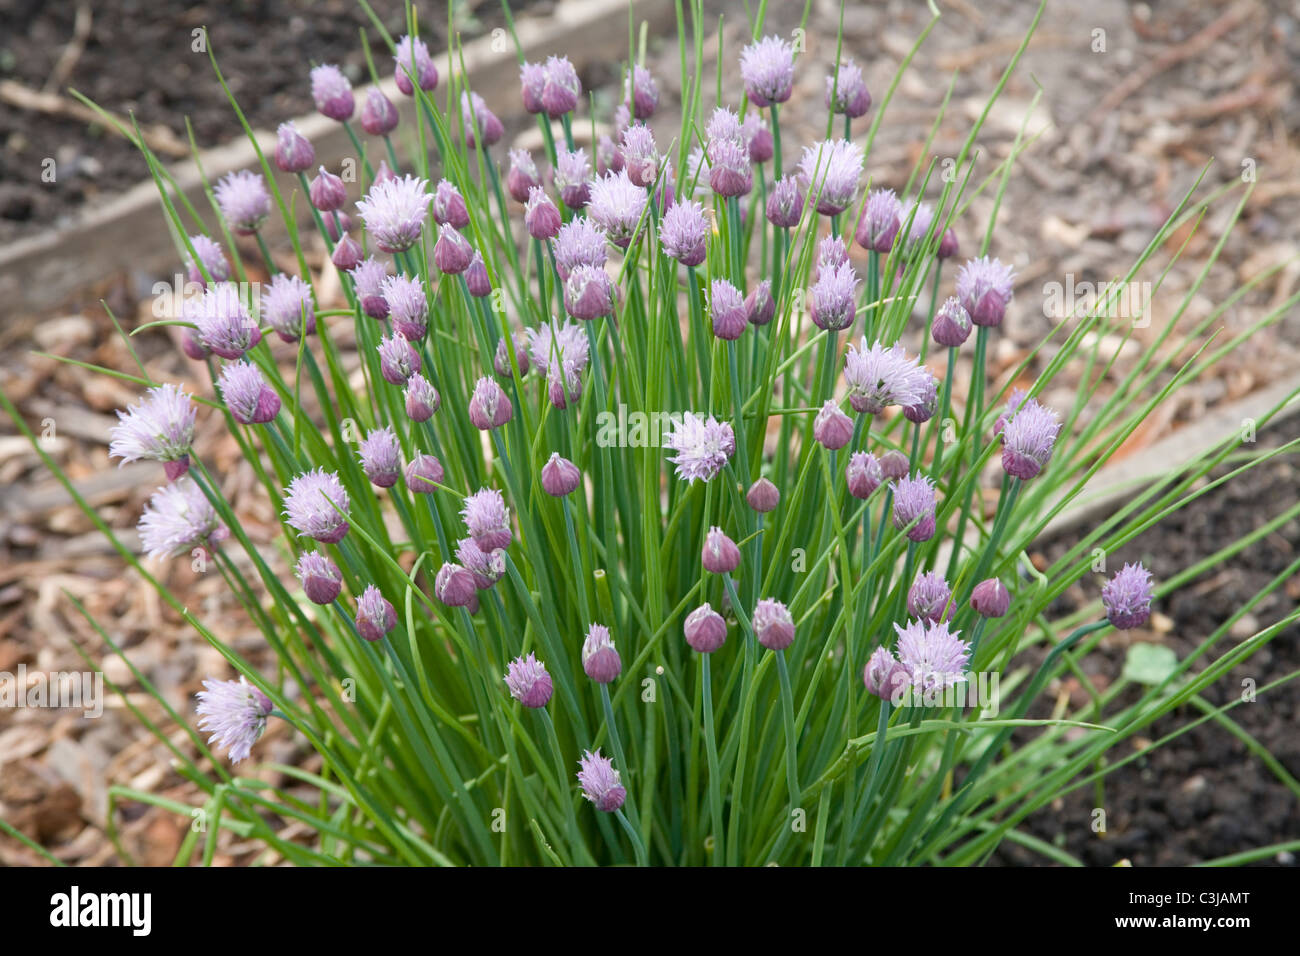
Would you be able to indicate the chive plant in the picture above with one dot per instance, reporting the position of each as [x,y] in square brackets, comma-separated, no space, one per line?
[617,522]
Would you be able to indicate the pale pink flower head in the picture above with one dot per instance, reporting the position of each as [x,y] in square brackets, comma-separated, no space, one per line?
[935,658]
[178,519]
[641,92]
[914,502]
[929,598]
[984,287]
[394,210]
[720,554]
[234,712]
[684,233]
[832,429]
[378,115]
[332,92]
[321,579]
[375,614]
[773,625]
[767,68]
[1028,437]
[487,519]
[528,681]
[560,88]
[489,406]
[727,308]
[703,446]
[412,59]
[243,200]
[160,428]
[288,307]
[250,399]
[846,90]
[381,457]
[482,127]
[705,629]
[600,782]
[616,206]
[831,168]
[313,503]
[573,177]
[293,152]
[880,375]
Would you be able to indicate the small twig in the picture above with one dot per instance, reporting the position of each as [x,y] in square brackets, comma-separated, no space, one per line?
[67,61]
[159,139]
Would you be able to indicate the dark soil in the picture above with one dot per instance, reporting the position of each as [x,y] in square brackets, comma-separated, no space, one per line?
[1203,795]
[138,58]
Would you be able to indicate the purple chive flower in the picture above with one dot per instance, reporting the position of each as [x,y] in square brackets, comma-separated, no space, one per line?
[210,256]
[178,519]
[412,59]
[1027,439]
[347,255]
[863,474]
[487,567]
[846,91]
[703,446]
[600,782]
[394,210]
[489,407]
[920,219]
[378,115]
[382,173]
[560,476]
[880,222]
[832,429]
[313,503]
[952,324]
[522,176]
[579,243]
[730,172]
[243,200]
[760,307]
[720,554]
[705,629]
[448,206]
[369,277]
[831,169]
[541,215]
[773,625]
[884,676]
[984,287]
[160,428]
[250,400]
[924,410]
[422,399]
[321,579]
[608,157]
[728,310]
[600,659]
[948,244]
[234,713]
[934,657]
[532,80]
[452,253]
[684,233]
[767,67]
[501,358]
[894,465]
[724,125]
[758,138]
[454,586]
[763,496]
[831,253]
[563,384]
[1127,597]
[616,206]
[831,300]
[554,346]
[573,177]
[879,376]
[375,615]
[990,598]
[332,92]
[640,92]
[528,681]
[785,203]
[293,153]
[481,125]
[287,307]
[641,158]
[487,519]
[914,502]
[381,457]
[588,293]
[407,306]
[326,191]
[930,598]
[422,473]
[476,277]
[561,87]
